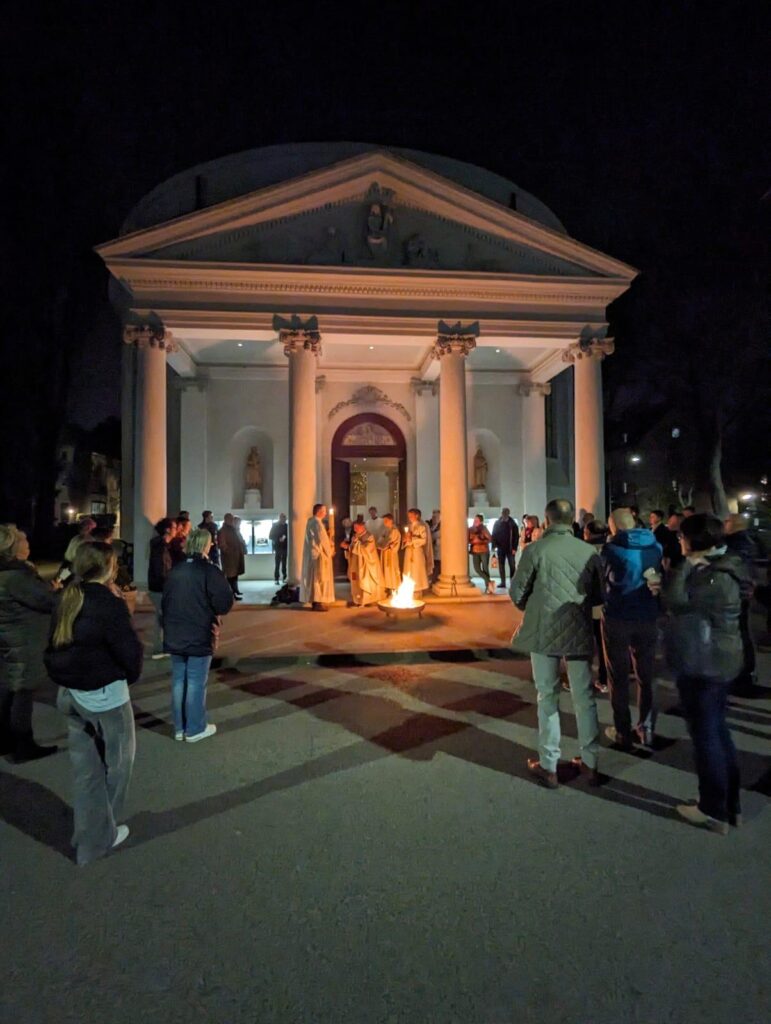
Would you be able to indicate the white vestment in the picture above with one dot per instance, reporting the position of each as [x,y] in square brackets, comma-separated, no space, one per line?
[376,527]
[418,555]
[364,570]
[317,584]
[389,545]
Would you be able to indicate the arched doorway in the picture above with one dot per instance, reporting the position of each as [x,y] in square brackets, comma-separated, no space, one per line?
[369,467]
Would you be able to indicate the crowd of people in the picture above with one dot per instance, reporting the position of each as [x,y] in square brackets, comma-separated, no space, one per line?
[587,591]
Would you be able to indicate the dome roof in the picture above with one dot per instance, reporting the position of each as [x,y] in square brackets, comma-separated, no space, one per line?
[216,181]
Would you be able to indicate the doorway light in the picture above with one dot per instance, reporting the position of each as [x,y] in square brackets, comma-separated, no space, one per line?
[240,344]
[372,348]
[498,351]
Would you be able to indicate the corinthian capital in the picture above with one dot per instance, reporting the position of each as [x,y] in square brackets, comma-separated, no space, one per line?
[147,331]
[589,348]
[528,388]
[455,338]
[295,334]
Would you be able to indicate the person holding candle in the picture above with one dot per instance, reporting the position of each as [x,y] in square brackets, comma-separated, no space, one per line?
[389,544]
[418,552]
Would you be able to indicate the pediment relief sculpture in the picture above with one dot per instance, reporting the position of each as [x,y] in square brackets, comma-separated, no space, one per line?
[369,395]
[368,435]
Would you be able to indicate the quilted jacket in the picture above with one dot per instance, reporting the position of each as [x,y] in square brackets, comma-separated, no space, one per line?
[557,583]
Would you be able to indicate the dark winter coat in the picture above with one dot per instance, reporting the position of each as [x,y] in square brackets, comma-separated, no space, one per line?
[196,593]
[159,566]
[670,545]
[712,592]
[231,551]
[26,602]
[104,646]
[556,585]
[278,536]
[624,560]
[506,535]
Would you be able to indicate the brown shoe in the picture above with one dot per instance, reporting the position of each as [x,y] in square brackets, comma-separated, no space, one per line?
[317,607]
[547,779]
[592,774]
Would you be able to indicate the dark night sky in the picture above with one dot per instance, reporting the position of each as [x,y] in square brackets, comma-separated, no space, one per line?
[643,125]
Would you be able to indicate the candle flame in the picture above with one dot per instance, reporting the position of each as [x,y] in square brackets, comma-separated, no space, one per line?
[403,597]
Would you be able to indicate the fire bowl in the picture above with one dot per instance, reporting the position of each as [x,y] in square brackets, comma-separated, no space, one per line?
[394,612]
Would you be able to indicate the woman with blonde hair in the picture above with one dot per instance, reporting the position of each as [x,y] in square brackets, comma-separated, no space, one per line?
[26,602]
[194,596]
[94,655]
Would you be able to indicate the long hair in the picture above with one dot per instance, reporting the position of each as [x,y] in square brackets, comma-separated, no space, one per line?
[94,562]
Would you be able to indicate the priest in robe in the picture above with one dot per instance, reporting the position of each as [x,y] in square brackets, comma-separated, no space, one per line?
[390,543]
[374,524]
[317,586]
[418,552]
[364,568]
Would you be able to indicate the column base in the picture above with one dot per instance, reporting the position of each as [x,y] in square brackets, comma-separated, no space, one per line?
[455,586]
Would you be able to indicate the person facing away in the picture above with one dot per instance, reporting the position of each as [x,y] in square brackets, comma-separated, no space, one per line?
[435,529]
[389,544]
[703,638]
[85,528]
[364,568]
[158,569]
[317,586]
[418,553]
[231,552]
[479,541]
[665,537]
[739,542]
[195,596]
[26,602]
[506,542]
[207,523]
[94,655]
[556,585]
[629,625]
[278,537]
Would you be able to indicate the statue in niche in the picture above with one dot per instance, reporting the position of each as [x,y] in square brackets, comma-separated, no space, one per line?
[380,219]
[418,254]
[480,470]
[253,472]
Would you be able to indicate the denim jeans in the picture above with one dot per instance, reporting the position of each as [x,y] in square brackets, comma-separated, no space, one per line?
[482,564]
[102,746]
[505,558]
[188,693]
[546,673]
[630,645]
[717,768]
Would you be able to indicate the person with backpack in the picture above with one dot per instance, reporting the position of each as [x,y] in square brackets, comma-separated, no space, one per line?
[94,655]
[704,646]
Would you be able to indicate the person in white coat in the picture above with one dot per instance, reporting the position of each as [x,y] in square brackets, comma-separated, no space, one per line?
[418,552]
[317,586]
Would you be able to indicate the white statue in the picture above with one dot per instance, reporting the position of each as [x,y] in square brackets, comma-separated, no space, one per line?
[253,472]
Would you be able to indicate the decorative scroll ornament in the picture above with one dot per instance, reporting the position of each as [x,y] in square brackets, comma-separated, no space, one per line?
[370,395]
[531,388]
[294,333]
[589,348]
[420,386]
[147,332]
[455,338]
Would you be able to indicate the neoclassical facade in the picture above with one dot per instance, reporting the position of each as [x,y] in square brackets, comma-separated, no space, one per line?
[370,321]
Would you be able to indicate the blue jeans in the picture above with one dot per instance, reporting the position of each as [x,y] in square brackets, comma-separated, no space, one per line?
[717,768]
[188,693]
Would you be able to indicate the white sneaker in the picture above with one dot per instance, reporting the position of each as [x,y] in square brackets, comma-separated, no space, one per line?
[694,816]
[210,730]
[179,736]
[121,835]
[156,657]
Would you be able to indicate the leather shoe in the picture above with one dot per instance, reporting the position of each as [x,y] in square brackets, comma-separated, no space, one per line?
[547,779]
[592,774]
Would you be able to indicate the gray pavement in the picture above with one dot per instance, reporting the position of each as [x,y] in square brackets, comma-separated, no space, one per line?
[361,843]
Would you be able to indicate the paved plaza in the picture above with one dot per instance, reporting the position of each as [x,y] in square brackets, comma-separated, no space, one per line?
[361,843]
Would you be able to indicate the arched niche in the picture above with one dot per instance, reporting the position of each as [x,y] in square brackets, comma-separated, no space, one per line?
[240,444]
[490,444]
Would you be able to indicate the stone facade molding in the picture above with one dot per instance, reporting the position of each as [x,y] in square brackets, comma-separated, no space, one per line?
[420,386]
[589,348]
[526,389]
[295,334]
[455,338]
[147,332]
[369,395]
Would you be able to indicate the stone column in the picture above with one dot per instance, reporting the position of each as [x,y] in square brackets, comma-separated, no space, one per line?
[194,445]
[152,341]
[302,345]
[586,356]
[534,496]
[427,443]
[452,346]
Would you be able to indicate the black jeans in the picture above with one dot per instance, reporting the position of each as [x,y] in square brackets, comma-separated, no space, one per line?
[704,703]
[280,570]
[629,645]
[16,712]
[233,581]
[505,558]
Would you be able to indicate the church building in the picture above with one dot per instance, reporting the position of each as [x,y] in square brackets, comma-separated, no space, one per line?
[361,326]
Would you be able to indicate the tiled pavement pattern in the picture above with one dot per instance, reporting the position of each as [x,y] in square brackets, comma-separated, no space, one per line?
[361,843]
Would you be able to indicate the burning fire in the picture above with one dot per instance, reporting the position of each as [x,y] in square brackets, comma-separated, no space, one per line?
[404,596]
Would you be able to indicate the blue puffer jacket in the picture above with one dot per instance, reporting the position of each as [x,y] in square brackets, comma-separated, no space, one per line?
[624,560]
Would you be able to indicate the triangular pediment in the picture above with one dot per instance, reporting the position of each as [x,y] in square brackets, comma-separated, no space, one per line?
[376,210]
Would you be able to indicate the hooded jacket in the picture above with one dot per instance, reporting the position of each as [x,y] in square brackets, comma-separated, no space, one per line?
[557,584]
[625,558]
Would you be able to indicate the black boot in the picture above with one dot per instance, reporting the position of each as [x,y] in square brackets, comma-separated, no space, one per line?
[25,749]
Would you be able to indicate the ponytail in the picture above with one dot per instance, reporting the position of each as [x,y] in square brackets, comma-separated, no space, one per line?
[94,562]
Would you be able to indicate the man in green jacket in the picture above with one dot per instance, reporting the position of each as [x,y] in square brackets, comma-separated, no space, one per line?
[557,584]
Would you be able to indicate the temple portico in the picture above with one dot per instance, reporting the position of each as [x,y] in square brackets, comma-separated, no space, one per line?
[365,329]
